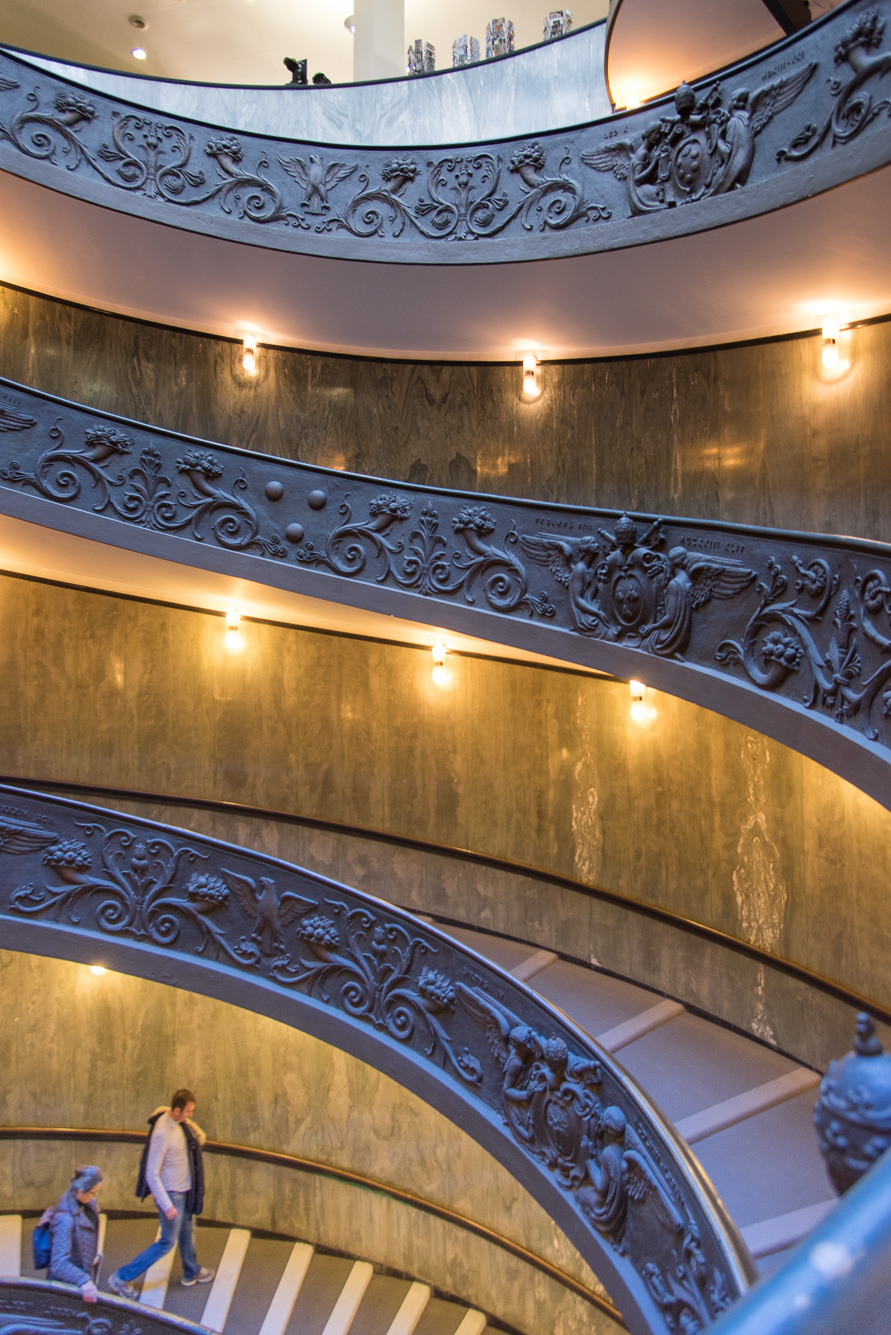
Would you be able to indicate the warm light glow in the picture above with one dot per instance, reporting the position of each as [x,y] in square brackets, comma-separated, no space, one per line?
[638,711]
[249,355]
[138,53]
[531,387]
[831,334]
[632,97]
[637,689]
[232,639]
[97,970]
[440,675]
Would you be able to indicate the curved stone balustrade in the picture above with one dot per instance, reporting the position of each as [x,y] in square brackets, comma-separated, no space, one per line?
[785,632]
[30,1305]
[536,1091]
[545,87]
[803,117]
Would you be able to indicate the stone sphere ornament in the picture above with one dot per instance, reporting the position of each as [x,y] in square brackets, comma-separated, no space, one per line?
[853,1112]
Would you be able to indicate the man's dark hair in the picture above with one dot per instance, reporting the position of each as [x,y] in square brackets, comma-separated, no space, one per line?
[181,1098]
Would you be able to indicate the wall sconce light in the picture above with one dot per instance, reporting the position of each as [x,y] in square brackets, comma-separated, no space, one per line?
[831,333]
[531,387]
[638,701]
[440,673]
[249,354]
[233,632]
[97,970]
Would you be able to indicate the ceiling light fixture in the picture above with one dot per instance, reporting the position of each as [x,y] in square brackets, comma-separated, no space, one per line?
[350,23]
[97,970]
[138,53]
[831,333]
[531,387]
[638,701]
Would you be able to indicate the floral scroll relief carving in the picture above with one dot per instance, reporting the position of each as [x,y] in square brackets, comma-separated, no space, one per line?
[856,107]
[144,494]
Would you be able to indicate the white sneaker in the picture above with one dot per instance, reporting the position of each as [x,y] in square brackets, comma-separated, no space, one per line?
[204,1276]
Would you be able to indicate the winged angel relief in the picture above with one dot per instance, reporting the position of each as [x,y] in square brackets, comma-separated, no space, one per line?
[703,150]
[633,592]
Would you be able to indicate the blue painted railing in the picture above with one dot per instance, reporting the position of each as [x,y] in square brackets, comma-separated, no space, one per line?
[797,119]
[788,633]
[539,1094]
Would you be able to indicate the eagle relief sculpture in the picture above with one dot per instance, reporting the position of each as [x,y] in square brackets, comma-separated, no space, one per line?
[271,912]
[703,150]
[636,594]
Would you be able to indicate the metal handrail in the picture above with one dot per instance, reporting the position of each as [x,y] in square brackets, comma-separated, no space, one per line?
[521,1078]
[781,126]
[785,632]
[60,1308]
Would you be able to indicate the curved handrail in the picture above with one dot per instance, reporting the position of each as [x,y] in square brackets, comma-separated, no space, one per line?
[793,121]
[295,1163]
[837,1280]
[789,633]
[29,1305]
[639,907]
[515,1073]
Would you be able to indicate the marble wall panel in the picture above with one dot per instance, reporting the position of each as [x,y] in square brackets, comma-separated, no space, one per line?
[103,1052]
[689,812]
[755,434]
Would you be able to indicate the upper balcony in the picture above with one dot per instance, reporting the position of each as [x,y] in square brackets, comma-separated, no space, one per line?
[721,207]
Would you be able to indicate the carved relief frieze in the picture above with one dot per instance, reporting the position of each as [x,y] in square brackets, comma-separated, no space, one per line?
[561,1100]
[723,137]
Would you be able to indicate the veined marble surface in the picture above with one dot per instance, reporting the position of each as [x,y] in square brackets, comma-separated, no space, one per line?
[547,87]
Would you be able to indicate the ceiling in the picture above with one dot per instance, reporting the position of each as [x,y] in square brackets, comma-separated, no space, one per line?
[244,41]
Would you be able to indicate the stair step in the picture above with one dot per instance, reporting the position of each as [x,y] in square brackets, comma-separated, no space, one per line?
[411,1311]
[156,1280]
[441,1318]
[10,1245]
[380,1305]
[596,1001]
[528,968]
[124,1239]
[210,1244]
[219,1300]
[638,1025]
[321,1287]
[783,1231]
[753,1101]
[473,1323]
[278,1313]
[350,1297]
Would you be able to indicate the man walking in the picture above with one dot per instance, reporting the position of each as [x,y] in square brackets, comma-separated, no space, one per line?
[171,1170]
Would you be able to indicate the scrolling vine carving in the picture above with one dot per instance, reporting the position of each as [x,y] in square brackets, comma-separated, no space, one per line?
[566,1106]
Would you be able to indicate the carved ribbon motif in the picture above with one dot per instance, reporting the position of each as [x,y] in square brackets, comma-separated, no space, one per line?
[569,1109]
[717,139]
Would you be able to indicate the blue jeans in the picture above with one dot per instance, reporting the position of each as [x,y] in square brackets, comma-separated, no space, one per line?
[178,1229]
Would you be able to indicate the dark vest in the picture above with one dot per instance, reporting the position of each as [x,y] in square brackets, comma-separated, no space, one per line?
[195,1194]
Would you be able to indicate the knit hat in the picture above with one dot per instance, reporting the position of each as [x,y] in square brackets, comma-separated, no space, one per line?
[86,1178]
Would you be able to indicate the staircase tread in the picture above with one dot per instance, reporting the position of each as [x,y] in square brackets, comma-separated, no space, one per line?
[596,1001]
[319,1292]
[769,1164]
[383,1299]
[263,1267]
[502,950]
[441,1318]
[189,1303]
[693,1064]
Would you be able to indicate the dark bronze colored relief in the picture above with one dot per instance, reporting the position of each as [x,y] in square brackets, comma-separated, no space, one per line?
[562,1100]
[30,1307]
[853,1112]
[805,620]
[723,138]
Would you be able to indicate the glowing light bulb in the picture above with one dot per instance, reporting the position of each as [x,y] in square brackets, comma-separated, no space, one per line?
[440,675]
[531,387]
[249,355]
[139,53]
[232,639]
[831,332]
[638,701]
[97,970]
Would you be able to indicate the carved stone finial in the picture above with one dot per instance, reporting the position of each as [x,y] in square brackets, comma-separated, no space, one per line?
[853,1112]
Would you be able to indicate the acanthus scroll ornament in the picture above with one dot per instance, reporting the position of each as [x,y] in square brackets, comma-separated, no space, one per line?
[855,107]
[145,495]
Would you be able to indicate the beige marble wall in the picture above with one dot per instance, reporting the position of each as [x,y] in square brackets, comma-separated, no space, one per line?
[753,434]
[103,1052]
[689,811]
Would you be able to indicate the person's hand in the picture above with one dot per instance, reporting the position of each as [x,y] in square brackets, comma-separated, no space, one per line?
[170,1212]
[89,1291]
